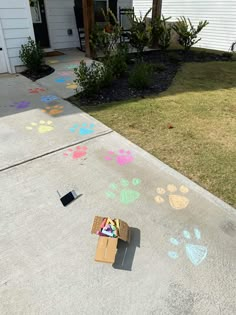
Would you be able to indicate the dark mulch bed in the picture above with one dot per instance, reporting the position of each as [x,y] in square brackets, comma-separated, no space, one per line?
[45,71]
[172,60]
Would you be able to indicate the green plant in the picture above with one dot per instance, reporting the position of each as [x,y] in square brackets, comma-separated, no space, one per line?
[106,38]
[161,32]
[187,32]
[158,67]
[141,76]
[31,54]
[117,63]
[91,78]
[174,57]
[227,55]
[139,33]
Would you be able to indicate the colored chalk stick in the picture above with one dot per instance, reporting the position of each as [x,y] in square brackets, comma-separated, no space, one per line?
[117,223]
[103,223]
[109,221]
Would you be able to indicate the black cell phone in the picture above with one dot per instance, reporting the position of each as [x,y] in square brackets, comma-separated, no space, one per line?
[68,198]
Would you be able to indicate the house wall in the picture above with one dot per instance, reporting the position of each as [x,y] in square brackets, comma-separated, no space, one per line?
[60,18]
[221,31]
[16,27]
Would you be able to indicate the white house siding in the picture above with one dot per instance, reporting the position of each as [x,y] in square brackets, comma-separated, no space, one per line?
[16,28]
[221,31]
[61,17]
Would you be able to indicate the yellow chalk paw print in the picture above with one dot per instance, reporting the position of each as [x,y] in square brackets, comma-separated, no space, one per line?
[53,110]
[72,86]
[176,198]
[42,126]
[53,61]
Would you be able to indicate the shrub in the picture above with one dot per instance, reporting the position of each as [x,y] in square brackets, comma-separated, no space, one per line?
[92,78]
[187,32]
[174,57]
[161,32]
[158,67]
[31,54]
[139,33]
[228,55]
[141,76]
[106,38]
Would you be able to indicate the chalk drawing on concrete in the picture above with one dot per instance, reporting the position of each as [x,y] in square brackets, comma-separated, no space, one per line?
[72,86]
[62,79]
[48,98]
[176,197]
[36,90]
[21,105]
[195,253]
[42,126]
[126,195]
[76,153]
[53,110]
[122,157]
[53,61]
[84,129]
[72,66]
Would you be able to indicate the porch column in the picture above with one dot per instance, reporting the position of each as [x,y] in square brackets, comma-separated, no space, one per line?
[156,8]
[88,13]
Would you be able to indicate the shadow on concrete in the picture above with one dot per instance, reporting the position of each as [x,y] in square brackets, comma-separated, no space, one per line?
[126,251]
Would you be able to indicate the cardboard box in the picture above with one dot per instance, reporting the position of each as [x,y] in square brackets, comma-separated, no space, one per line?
[107,246]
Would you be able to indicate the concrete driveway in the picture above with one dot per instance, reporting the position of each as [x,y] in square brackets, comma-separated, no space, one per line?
[182,255]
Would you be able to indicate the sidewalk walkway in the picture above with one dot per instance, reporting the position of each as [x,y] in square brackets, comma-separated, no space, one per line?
[181,259]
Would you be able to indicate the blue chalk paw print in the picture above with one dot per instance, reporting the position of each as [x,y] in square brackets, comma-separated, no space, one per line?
[195,253]
[85,129]
[62,79]
[48,98]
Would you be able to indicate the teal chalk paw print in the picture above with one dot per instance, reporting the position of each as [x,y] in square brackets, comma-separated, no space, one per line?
[85,129]
[127,195]
[195,253]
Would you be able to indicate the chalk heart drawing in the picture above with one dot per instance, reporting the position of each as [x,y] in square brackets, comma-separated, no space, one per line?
[20,105]
[48,98]
[42,126]
[127,195]
[122,158]
[76,153]
[195,253]
[62,79]
[36,90]
[72,86]
[85,129]
[53,110]
[176,198]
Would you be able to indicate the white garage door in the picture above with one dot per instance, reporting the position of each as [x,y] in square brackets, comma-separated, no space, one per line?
[3,65]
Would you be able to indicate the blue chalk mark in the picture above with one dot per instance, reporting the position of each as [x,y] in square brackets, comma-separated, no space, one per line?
[85,129]
[196,253]
[173,255]
[62,79]
[197,234]
[174,241]
[186,234]
[49,98]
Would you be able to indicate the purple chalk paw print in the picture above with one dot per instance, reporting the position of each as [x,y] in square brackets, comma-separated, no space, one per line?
[20,105]
[85,129]
[122,158]
[48,98]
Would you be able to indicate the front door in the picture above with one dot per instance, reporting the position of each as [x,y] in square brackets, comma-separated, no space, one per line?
[40,22]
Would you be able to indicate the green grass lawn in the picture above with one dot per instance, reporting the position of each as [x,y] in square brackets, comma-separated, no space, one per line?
[201,106]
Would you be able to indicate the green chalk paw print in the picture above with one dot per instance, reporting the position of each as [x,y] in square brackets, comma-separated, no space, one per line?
[42,126]
[127,195]
[176,197]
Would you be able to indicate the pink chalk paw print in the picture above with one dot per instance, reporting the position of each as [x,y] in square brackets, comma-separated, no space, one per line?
[76,153]
[122,158]
[36,90]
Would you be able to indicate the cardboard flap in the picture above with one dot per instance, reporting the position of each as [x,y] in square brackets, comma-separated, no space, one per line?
[106,249]
[96,224]
[124,231]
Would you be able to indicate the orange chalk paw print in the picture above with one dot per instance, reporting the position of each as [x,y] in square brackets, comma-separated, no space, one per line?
[176,197]
[53,110]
